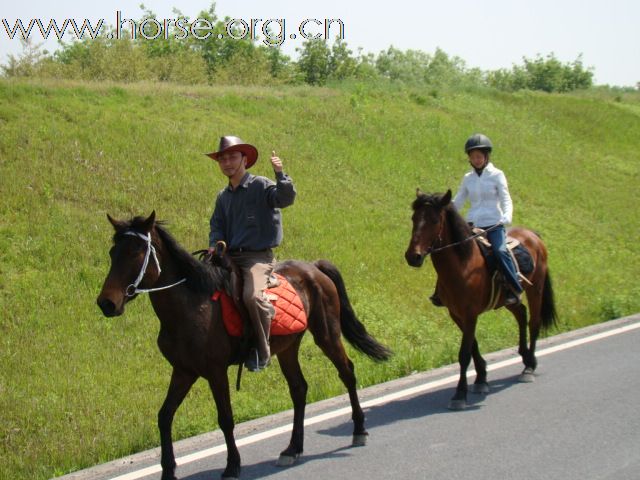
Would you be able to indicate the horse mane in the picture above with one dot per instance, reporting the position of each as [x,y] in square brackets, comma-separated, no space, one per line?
[459,229]
[202,278]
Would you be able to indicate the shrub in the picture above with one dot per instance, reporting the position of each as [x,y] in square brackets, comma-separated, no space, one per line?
[546,74]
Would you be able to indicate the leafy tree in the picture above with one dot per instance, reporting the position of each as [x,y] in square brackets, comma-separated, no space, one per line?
[415,66]
[245,67]
[341,64]
[443,69]
[546,74]
[26,63]
[365,66]
[314,61]
[408,66]
[282,69]
[102,58]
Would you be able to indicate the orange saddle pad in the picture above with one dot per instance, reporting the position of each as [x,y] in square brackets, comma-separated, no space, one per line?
[290,316]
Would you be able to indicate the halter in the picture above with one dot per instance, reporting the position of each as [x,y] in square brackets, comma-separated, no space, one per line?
[133,289]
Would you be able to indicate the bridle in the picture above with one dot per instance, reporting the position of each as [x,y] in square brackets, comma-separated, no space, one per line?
[133,289]
[438,238]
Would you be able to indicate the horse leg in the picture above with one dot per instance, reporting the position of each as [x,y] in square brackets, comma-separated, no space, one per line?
[480,385]
[219,384]
[179,386]
[459,400]
[534,330]
[520,313]
[290,367]
[334,349]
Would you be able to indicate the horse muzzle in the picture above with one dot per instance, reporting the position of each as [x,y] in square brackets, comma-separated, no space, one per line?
[109,308]
[414,259]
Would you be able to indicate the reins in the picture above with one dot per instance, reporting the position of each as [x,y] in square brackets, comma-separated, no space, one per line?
[476,235]
[133,289]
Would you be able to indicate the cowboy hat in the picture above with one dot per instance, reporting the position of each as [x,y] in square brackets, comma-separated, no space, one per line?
[230,143]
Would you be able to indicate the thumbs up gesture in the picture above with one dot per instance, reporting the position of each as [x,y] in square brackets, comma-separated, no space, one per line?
[276,162]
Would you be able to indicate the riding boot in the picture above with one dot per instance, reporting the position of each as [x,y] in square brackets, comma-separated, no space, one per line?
[260,357]
[511,297]
[263,343]
[256,268]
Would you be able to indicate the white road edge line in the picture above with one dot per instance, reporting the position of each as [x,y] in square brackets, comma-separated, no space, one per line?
[373,402]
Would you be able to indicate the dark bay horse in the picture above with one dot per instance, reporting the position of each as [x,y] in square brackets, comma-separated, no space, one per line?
[194,340]
[464,284]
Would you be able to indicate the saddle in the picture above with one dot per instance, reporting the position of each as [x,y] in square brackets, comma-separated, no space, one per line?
[521,256]
[522,260]
[290,316]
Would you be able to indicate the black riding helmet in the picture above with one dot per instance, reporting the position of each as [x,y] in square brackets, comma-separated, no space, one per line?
[478,141]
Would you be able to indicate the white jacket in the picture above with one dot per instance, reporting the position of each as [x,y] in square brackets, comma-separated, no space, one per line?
[489,197]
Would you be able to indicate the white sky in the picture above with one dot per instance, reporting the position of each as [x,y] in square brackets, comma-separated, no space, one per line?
[488,34]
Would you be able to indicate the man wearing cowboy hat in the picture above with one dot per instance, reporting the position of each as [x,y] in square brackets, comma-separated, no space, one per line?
[247,218]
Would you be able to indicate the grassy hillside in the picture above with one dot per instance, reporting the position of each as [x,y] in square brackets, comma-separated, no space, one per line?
[77,389]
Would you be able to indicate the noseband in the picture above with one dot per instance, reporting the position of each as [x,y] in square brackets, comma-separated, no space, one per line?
[133,289]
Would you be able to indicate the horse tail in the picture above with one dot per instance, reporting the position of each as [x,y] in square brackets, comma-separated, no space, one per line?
[353,330]
[548,310]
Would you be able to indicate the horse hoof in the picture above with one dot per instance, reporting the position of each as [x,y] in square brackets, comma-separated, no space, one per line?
[359,440]
[481,388]
[457,405]
[526,376]
[287,460]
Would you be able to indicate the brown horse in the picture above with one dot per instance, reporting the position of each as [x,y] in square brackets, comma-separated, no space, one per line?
[464,284]
[194,340]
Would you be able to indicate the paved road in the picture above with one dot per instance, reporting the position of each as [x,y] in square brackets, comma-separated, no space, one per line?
[580,419]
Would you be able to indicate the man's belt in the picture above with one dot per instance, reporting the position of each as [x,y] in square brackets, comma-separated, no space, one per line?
[248,250]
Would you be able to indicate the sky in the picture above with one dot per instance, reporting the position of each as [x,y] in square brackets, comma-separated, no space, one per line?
[487,34]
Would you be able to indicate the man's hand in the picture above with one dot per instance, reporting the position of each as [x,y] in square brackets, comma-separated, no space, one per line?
[276,162]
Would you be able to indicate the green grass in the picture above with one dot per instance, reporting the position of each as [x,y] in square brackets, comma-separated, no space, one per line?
[78,389]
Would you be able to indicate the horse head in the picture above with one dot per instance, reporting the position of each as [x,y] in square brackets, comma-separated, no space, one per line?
[130,255]
[428,224]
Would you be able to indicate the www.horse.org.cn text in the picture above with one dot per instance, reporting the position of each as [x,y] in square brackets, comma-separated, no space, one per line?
[272,32]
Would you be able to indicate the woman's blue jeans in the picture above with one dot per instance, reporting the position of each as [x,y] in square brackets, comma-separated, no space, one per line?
[498,239]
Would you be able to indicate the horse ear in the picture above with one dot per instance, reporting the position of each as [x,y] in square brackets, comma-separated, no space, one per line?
[446,198]
[117,224]
[419,192]
[150,222]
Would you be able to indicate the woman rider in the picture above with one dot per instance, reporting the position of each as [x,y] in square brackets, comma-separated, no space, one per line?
[491,208]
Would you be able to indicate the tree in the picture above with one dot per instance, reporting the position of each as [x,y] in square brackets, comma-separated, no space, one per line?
[546,74]
[26,63]
[314,61]
[408,66]
[341,64]
[365,66]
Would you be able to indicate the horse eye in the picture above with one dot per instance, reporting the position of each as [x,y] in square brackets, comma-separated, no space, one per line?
[138,248]
[432,219]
